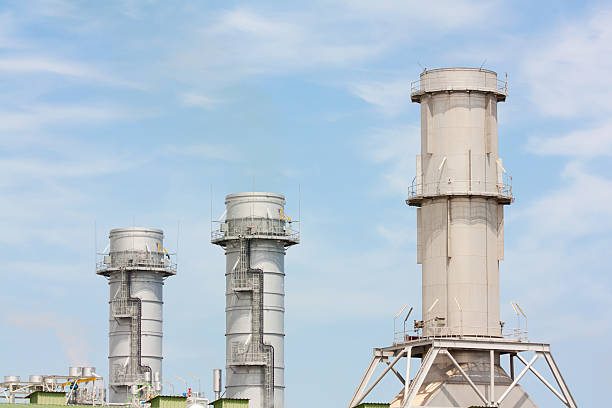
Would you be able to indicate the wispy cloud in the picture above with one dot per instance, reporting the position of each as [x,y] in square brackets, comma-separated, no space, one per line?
[205,151]
[43,65]
[583,143]
[198,100]
[444,15]
[394,149]
[36,116]
[569,68]
[564,214]
[243,41]
[390,98]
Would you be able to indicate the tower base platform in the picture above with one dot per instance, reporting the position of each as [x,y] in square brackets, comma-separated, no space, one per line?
[462,372]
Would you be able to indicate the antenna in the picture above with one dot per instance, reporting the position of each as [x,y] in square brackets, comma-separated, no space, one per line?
[405,319]
[395,318]
[483,62]
[408,314]
[182,380]
[513,307]
[170,384]
[521,310]
[220,219]
[526,322]
[401,311]
[199,386]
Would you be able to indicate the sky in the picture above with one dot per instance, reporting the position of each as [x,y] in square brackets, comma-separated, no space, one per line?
[123,113]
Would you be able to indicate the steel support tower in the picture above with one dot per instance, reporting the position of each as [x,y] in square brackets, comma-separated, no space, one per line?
[255,234]
[136,267]
[460,190]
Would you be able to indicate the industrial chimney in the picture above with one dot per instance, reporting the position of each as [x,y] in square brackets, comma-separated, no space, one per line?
[136,267]
[460,190]
[255,234]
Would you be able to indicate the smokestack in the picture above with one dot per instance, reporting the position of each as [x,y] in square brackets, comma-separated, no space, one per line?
[255,235]
[460,190]
[136,268]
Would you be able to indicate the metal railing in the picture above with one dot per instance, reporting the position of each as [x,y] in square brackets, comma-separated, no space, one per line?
[462,187]
[255,228]
[430,85]
[432,332]
[137,259]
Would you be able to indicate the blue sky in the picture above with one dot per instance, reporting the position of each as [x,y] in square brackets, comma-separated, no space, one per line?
[127,112]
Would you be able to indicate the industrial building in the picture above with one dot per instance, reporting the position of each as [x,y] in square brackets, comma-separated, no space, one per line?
[460,190]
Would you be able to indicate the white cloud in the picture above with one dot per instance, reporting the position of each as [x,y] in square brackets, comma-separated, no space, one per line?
[37,116]
[568,69]
[8,38]
[579,208]
[584,143]
[444,15]
[396,150]
[43,65]
[563,252]
[198,100]
[205,151]
[275,42]
[390,98]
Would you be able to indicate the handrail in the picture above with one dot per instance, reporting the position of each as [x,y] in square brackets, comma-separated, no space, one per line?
[423,85]
[465,187]
[256,228]
[518,333]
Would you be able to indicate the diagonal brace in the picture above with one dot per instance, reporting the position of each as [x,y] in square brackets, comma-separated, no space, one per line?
[380,377]
[464,374]
[518,378]
[397,374]
[546,383]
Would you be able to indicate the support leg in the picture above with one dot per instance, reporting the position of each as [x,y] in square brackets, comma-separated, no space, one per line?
[420,377]
[364,381]
[560,381]
[408,360]
[380,377]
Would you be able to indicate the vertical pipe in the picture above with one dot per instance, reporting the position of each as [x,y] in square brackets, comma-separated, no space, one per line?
[492,372]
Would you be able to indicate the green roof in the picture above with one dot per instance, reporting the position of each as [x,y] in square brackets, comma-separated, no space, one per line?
[168,401]
[231,403]
[47,397]
[373,405]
